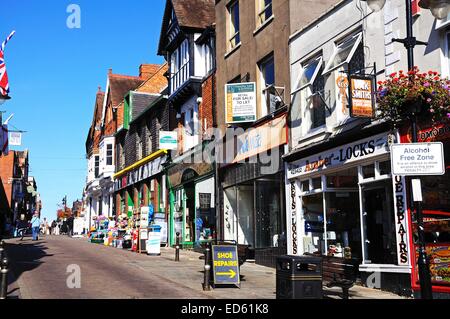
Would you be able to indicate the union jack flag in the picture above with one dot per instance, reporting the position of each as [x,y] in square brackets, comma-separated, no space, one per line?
[4,83]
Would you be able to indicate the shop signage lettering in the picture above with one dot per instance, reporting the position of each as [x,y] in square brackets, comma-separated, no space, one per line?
[362,100]
[226,265]
[294,219]
[401,220]
[146,171]
[434,134]
[363,149]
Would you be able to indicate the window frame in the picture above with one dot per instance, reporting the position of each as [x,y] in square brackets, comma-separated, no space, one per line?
[96,166]
[303,67]
[328,68]
[262,64]
[262,10]
[233,34]
[109,156]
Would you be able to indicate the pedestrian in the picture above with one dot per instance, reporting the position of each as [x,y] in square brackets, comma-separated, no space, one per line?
[35,225]
[70,226]
[53,228]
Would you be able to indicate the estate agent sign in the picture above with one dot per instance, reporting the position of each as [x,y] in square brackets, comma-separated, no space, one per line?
[240,102]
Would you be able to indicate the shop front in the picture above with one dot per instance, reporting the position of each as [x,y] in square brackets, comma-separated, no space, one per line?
[252,188]
[141,197]
[192,202]
[436,210]
[344,202]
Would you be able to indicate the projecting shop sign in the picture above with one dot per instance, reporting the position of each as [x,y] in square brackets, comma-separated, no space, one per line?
[418,159]
[226,265]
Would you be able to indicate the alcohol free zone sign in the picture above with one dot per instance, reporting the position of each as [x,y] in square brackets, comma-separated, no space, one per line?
[418,159]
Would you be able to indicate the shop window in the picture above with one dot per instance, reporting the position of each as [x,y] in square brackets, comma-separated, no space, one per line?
[343,179]
[233,14]
[343,53]
[368,171]
[343,224]
[265,10]
[97,166]
[305,186]
[384,168]
[316,183]
[314,223]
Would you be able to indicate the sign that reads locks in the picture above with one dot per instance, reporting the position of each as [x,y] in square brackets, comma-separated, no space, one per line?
[362,100]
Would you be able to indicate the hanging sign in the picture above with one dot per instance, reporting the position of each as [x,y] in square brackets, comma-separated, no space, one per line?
[362,101]
[15,139]
[418,159]
[168,140]
[240,102]
[226,265]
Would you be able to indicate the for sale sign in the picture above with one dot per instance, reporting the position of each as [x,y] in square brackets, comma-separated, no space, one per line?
[418,159]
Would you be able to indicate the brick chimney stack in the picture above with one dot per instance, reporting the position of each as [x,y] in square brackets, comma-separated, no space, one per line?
[146,71]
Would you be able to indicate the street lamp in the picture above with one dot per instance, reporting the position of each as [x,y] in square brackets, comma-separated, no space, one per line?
[440,10]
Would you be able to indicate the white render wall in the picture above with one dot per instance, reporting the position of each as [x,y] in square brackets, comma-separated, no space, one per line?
[378,29]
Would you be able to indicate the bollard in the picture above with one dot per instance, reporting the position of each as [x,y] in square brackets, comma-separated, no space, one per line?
[206,285]
[2,249]
[4,278]
[177,248]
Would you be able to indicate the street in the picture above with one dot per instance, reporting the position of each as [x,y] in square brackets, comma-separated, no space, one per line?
[40,271]
[46,270]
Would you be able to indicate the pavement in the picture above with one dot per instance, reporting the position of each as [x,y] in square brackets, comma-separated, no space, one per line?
[58,267]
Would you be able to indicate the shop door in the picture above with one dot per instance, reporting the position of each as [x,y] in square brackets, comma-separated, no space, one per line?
[378,222]
[268,214]
[246,223]
[189,213]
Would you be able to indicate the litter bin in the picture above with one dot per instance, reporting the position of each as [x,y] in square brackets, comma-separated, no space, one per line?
[299,277]
[154,240]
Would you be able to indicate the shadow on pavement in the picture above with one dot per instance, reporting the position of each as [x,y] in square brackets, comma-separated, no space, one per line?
[24,255]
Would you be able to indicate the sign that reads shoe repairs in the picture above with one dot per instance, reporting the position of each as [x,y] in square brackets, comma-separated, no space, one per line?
[362,101]
[418,159]
[226,265]
[240,102]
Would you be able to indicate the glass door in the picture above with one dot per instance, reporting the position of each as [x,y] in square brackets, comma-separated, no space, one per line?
[378,224]
[268,214]
[246,223]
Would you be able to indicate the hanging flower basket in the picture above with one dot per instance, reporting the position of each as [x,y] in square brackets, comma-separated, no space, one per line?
[426,95]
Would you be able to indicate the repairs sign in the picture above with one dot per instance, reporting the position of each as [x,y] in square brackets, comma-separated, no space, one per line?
[226,265]
[418,159]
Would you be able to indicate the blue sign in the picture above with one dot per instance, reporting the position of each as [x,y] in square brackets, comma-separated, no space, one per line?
[226,265]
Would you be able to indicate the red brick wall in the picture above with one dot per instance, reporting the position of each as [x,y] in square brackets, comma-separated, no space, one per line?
[6,172]
[206,107]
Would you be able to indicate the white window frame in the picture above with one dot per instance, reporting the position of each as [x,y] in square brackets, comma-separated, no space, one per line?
[303,66]
[262,66]
[328,68]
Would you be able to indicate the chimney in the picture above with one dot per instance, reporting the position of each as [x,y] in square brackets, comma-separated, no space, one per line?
[110,71]
[146,71]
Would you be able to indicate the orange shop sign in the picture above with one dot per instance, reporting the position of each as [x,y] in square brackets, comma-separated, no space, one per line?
[362,100]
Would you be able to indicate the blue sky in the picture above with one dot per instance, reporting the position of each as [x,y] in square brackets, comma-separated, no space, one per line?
[54,74]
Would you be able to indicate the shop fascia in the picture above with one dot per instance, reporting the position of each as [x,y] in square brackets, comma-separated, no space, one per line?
[357,154]
[142,170]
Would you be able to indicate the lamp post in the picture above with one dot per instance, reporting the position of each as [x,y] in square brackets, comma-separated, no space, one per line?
[440,10]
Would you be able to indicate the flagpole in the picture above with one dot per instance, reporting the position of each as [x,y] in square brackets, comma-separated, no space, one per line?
[7,39]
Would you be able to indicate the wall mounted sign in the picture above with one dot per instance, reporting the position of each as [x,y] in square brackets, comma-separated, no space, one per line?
[168,140]
[362,100]
[418,159]
[263,138]
[226,265]
[15,139]
[240,102]
[350,153]
[401,220]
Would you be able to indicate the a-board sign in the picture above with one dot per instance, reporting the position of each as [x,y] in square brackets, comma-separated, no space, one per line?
[418,159]
[225,265]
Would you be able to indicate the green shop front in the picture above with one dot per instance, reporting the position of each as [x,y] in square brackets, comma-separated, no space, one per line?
[192,203]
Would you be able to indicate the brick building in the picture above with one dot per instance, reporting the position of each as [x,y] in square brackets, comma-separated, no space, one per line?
[187,42]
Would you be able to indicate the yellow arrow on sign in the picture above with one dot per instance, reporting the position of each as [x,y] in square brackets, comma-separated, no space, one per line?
[230,273]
